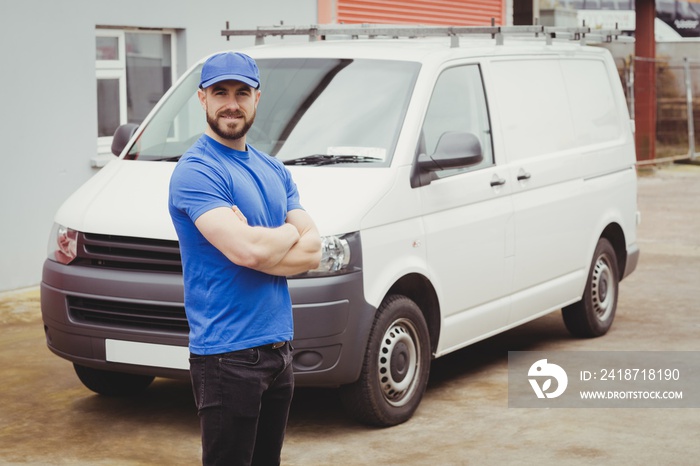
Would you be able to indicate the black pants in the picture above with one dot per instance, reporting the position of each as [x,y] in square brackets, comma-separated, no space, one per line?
[243,400]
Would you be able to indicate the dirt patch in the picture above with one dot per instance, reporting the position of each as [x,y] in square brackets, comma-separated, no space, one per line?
[20,306]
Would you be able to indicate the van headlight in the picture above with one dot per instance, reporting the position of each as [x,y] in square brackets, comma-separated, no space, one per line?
[335,254]
[63,244]
[339,255]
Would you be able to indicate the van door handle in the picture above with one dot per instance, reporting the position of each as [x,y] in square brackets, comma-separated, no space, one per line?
[497,181]
[523,175]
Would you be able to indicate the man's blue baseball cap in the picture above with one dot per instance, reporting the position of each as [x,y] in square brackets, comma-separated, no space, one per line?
[230,66]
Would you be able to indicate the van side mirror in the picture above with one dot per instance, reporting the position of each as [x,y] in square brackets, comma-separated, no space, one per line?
[455,149]
[122,136]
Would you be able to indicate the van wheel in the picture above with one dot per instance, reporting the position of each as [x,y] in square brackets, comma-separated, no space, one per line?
[112,383]
[396,366]
[594,314]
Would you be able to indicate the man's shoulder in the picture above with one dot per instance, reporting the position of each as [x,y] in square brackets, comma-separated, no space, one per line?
[197,166]
[196,151]
[258,152]
[274,161]
[201,155]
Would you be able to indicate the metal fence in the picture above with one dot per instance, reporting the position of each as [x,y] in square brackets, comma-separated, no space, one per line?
[677,105]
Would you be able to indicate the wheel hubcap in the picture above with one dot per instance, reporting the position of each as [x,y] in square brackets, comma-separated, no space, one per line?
[400,358]
[399,362]
[602,294]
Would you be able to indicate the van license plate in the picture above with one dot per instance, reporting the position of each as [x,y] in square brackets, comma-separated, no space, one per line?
[147,354]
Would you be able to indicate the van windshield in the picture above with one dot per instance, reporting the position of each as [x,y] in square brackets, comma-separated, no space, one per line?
[313,111]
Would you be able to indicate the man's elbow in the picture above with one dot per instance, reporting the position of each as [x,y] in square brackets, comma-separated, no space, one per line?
[252,259]
[249,261]
[315,260]
[315,256]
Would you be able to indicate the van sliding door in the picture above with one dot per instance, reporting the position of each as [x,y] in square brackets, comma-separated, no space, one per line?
[553,112]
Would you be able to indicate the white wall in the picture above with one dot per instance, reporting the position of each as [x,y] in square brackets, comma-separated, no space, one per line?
[48,128]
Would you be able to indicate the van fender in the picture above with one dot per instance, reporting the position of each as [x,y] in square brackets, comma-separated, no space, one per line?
[611,228]
[385,264]
[407,276]
[618,219]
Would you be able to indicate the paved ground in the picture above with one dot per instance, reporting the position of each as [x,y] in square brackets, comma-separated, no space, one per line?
[47,417]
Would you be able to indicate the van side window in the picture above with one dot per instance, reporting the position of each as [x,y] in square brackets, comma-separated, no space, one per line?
[458,103]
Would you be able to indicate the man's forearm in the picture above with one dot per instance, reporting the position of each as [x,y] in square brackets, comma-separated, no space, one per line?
[302,257]
[248,246]
[271,246]
[306,253]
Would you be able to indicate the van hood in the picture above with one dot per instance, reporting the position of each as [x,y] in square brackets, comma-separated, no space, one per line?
[125,198]
[130,198]
[338,198]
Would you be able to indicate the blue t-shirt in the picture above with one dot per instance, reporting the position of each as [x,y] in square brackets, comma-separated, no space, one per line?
[230,307]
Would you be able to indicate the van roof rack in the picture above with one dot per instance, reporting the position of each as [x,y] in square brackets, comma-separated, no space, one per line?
[372,31]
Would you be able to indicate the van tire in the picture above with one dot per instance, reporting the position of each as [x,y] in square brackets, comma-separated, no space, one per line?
[396,366]
[594,314]
[112,383]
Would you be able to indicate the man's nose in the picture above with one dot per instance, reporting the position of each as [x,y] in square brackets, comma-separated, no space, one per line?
[232,103]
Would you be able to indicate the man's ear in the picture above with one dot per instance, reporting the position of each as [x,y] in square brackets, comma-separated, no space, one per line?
[202,94]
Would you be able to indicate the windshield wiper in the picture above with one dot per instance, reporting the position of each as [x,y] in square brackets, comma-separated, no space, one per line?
[324,159]
[173,158]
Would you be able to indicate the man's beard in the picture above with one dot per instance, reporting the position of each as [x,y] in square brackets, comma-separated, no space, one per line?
[226,131]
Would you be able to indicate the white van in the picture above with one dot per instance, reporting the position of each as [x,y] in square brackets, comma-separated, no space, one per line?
[461,189]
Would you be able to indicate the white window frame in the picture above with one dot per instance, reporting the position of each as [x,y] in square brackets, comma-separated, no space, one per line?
[116,69]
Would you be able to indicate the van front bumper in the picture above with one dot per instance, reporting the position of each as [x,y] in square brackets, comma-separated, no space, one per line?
[83,307]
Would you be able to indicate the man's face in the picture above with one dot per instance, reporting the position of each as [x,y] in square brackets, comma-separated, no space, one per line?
[230,107]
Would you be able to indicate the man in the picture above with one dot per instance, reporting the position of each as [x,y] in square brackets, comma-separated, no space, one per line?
[242,230]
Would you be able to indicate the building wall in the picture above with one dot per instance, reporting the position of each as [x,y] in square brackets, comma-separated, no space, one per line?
[48,129]
[433,12]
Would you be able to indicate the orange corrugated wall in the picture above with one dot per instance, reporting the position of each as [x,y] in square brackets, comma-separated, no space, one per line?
[428,12]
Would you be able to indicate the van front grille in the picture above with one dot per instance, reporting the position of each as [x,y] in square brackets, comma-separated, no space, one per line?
[123,252]
[128,314]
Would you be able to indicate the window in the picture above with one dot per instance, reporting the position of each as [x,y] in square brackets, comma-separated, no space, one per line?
[134,68]
[458,103]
